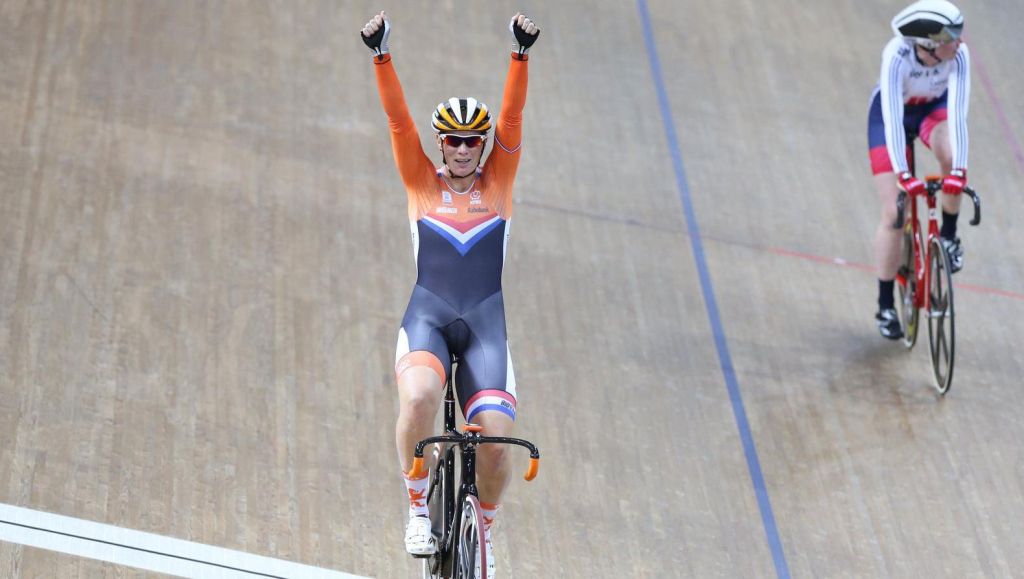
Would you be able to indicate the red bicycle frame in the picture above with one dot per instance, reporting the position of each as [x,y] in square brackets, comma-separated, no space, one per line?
[922,265]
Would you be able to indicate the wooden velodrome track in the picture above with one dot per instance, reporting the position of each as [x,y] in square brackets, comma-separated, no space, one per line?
[204,258]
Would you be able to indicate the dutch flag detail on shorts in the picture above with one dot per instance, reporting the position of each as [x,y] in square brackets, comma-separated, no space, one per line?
[491,400]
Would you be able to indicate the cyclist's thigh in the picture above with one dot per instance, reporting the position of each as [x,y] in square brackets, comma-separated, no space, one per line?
[485,379]
[932,125]
[938,142]
[420,340]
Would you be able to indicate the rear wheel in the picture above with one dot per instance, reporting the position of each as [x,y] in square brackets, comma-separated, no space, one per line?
[471,554]
[907,284]
[941,331]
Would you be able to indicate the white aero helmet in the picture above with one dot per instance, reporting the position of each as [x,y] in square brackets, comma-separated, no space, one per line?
[929,23]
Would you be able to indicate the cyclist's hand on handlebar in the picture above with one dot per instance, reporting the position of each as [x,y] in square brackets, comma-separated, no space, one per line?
[375,34]
[911,184]
[953,184]
[524,32]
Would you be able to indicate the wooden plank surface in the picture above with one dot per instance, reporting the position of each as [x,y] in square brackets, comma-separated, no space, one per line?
[204,258]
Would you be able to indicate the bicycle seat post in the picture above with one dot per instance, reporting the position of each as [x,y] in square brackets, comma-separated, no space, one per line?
[911,153]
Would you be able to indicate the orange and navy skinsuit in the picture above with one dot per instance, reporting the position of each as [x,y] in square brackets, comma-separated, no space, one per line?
[459,242]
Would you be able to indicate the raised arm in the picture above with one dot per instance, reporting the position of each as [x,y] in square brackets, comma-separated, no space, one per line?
[509,130]
[504,159]
[413,164]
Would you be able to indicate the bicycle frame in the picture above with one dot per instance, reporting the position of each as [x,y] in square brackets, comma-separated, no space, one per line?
[922,266]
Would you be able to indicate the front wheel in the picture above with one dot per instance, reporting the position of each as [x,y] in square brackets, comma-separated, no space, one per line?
[440,503]
[471,553]
[906,281]
[941,331]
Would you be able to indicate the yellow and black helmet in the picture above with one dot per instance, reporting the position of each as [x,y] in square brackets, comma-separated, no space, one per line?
[461,114]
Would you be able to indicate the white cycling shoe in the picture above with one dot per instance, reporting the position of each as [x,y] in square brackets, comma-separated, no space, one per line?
[419,539]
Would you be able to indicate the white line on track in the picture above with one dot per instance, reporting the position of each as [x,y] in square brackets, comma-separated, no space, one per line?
[145,550]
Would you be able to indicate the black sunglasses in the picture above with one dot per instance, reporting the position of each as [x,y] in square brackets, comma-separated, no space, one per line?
[456,141]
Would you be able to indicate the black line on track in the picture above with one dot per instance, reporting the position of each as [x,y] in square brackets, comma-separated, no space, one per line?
[140,549]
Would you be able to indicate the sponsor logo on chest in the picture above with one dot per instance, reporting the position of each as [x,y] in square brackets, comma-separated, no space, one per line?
[450,205]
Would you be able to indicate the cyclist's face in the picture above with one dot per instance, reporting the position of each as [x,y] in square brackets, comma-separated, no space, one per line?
[943,52]
[948,50]
[462,155]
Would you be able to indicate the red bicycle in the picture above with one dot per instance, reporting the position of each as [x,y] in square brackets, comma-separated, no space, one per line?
[925,279]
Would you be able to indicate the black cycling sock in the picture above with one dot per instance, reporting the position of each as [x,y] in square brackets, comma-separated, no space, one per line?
[948,230]
[885,299]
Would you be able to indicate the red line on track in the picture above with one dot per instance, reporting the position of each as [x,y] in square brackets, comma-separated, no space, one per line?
[840,262]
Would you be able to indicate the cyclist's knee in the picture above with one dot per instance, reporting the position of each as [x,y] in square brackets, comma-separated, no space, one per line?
[944,155]
[887,217]
[494,455]
[494,423]
[419,396]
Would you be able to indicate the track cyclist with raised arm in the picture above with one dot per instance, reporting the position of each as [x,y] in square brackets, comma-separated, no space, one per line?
[923,90]
[459,214]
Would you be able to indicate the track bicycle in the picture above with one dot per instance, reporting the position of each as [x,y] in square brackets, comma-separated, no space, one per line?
[455,514]
[925,279]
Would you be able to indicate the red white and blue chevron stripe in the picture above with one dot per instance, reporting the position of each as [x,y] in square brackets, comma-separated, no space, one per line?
[463,235]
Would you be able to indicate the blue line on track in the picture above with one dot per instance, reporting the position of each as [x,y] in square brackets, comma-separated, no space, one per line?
[724,358]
